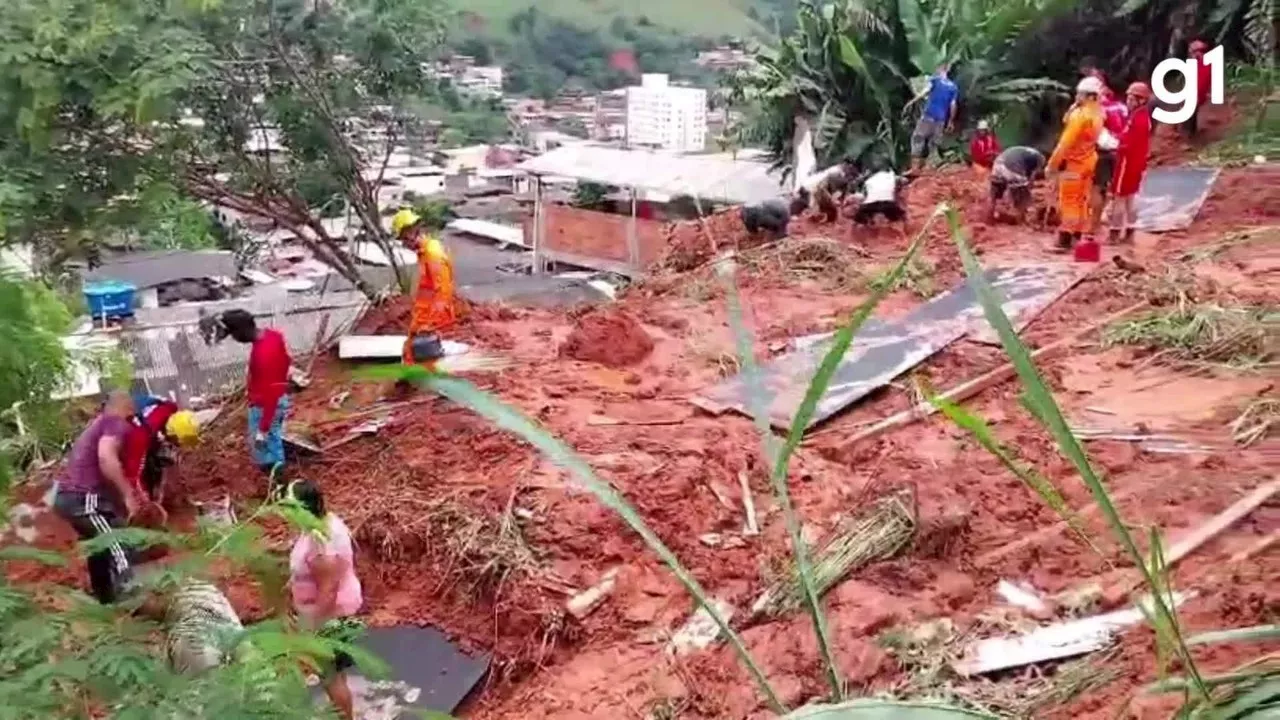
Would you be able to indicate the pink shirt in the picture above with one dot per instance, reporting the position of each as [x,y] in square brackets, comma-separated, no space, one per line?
[303,585]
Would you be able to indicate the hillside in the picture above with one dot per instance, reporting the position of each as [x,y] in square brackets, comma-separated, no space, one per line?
[707,17]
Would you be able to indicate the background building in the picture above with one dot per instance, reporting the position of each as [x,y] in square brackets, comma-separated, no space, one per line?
[662,116]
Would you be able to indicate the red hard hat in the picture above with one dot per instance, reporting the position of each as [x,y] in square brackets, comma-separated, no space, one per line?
[1140,89]
[1198,45]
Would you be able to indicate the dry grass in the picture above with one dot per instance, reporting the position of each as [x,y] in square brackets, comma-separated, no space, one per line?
[879,532]
[830,263]
[1257,421]
[1203,335]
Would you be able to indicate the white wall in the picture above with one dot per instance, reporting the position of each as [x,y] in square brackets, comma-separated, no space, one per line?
[672,118]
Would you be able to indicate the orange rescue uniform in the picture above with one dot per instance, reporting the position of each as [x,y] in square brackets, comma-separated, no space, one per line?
[1076,156]
[433,306]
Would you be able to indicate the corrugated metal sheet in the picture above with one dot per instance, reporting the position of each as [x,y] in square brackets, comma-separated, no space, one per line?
[706,177]
[882,351]
[1171,197]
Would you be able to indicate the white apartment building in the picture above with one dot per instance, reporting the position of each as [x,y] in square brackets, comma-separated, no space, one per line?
[667,117]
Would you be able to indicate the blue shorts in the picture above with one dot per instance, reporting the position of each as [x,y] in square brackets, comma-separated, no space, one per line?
[270,453]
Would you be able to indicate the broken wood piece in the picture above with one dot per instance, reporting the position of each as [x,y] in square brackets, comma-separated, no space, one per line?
[1221,521]
[1203,534]
[720,540]
[1023,597]
[749,506]
[1055,642]
[582,604]
[300,443]
[700,631]
[718,491]
[370,427]
[994,377]
[1262,545]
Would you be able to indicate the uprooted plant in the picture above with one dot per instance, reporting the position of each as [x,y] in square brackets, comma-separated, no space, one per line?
[1203,336]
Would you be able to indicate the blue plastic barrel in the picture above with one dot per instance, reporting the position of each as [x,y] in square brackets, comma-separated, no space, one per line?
[109,299]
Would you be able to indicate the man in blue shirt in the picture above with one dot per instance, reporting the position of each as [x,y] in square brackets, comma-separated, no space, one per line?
[939,113]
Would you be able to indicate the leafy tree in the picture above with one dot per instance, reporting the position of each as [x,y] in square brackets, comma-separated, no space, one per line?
[851,68]
[33,365]
[589,195]
[251,106]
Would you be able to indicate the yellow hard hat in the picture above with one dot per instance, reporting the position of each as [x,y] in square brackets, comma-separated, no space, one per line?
[403,220]
[183,427]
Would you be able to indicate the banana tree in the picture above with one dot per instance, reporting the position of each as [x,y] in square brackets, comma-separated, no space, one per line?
[855,69]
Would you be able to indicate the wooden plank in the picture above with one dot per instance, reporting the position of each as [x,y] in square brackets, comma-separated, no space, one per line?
[1054,642]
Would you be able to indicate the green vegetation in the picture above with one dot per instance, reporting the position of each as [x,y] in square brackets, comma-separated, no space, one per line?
[101,104]
[33,366]
[1203,335]
[67,656]
[1259,133]
[709,18]
[855,70]
[543,53]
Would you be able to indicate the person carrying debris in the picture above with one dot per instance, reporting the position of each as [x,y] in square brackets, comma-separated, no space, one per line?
[95,495]
[433,305]
[158,427]
[880,196]
[984,147]
[1013,172]
[323,583]
[938,116]
[266,387]
[1073,163]
[821,188]
[1131,163]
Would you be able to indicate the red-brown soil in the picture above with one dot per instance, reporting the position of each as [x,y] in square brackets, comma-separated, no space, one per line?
[408,490]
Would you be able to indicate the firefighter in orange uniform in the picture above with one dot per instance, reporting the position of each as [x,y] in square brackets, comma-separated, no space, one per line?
[1074,161]
[433,306]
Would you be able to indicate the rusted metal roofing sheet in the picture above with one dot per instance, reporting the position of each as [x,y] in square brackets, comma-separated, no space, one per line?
[705,177]
[882,351]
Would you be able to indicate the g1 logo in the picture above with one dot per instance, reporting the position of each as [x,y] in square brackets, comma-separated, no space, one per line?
[1188,97]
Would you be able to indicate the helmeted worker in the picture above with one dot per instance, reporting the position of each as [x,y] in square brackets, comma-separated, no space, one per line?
[159,426]
[433,305]
[1074,160]
[1131,163]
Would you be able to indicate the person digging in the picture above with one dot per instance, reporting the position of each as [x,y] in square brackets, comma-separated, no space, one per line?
[1014,172]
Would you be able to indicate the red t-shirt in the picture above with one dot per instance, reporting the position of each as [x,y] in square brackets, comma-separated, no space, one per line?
[983,150]
[268,374]
[1204,80]
[141,434]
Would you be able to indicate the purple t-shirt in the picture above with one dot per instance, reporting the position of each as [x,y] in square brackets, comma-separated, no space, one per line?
[83,473]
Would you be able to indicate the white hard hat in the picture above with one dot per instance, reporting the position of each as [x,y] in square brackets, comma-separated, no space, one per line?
[1090,85]
[984,125]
